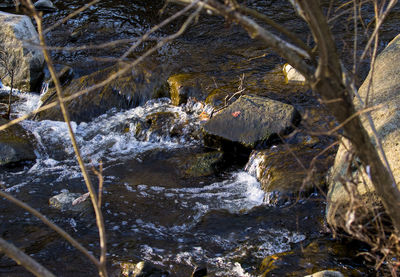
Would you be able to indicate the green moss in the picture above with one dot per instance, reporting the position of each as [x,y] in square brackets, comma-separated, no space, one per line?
[175,83]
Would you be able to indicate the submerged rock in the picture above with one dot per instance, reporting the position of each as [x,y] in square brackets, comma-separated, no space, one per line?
[198,165]
[64,202]
[16,144]
[16,35]
[248,122]
[384,91]
[129,90]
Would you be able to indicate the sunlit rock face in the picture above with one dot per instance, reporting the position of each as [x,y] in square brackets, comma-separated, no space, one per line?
[23,60]
[382,92]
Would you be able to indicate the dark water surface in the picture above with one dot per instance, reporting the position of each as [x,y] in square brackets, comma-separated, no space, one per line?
[152,211]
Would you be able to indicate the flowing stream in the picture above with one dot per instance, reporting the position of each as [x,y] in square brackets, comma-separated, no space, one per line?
[153,210]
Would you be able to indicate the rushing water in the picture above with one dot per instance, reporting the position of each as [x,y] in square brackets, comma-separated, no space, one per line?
[166,215]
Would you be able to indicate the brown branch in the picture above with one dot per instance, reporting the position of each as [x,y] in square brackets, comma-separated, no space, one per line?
[99,217]
[285,49]
[296,40]
[23,259]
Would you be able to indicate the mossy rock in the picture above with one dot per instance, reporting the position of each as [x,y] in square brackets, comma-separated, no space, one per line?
[129,90]
[16,144]
[185,85]
[291,169]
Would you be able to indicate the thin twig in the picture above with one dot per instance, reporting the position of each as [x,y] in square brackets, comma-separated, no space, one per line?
[52,225]
[99,216]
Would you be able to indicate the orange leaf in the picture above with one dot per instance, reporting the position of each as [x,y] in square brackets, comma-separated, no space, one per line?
[236,114]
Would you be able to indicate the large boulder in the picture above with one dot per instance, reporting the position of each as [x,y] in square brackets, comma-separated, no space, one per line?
[384,92]
[129,90]
[248,122]
[17,34]
[16,144]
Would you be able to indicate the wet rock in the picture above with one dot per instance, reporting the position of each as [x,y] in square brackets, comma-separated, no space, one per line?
[16,31]
[16,144]
[315,256]
[141,269]
[186,85]
[65,75]
[248,122]
[157,126]
[7,4]
[384,91]
[288,170]
[129,90]
[64,202]
[45,5]
[198,165]
[326,273]
[167,126]
[292,75]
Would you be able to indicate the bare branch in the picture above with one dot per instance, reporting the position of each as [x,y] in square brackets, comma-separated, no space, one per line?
[53,226]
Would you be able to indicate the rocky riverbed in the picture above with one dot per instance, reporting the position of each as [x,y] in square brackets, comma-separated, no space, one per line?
[206,150]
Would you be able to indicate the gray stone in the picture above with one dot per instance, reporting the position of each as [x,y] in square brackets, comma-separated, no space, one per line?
[326,273]
[45,5]
[16,144]
[64,202]
[248,121]
[17,34]
[384,93]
